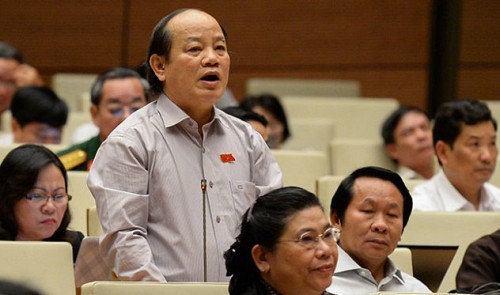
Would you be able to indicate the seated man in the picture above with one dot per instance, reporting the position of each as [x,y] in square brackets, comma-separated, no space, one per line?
[38,116]
[407,138]
[114,95]
[480,269]
[465,143]
[371,207]
[14,73]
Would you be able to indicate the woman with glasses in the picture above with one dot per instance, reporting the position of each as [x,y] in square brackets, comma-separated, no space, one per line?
[34,198]
[286,246]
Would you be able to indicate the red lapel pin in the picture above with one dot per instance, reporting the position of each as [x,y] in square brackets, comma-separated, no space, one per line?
[227,158]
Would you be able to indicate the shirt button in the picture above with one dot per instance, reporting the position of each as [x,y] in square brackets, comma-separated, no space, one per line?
[211,184]
[217,219]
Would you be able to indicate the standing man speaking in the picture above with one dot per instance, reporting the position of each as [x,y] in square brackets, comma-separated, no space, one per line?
[173,180]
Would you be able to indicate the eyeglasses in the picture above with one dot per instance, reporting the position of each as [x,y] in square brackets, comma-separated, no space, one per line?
[310,241]
[41,199]
[119,112]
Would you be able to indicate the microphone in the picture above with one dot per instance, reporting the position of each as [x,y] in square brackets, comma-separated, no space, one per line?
[204,195]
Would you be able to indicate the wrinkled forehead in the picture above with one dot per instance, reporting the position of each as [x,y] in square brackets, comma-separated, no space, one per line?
[193,21]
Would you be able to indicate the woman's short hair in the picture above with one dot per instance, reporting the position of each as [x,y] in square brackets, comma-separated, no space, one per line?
[19,172]
[263,224]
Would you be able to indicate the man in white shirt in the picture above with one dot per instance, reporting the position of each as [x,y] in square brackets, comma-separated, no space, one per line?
[172,181]
[465,143]
[407,136]
[371,207]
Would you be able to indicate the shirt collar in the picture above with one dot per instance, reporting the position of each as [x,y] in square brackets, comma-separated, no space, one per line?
[454,200]
[346,264]
[173,114]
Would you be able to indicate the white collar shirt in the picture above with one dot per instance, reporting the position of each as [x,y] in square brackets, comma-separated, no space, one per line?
[351,279]
[438,194]
[146,180]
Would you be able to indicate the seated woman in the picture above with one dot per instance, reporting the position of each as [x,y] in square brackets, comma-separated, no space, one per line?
[286,246]
[270,107]
[34,198]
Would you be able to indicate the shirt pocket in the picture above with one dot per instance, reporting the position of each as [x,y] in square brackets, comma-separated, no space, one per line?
[244,194]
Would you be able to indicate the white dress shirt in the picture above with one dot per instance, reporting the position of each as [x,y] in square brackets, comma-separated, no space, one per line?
[438,194]
[146,179]
[351,279]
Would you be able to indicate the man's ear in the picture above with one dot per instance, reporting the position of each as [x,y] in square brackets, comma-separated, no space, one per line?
[157,63]
[335,220]
[391,150]
[442,151]
[259,256]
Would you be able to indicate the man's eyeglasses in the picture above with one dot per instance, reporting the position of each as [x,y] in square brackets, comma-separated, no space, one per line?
[41,199]
[310,240]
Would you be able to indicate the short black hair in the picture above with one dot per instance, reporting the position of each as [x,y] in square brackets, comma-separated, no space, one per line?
[452,115]
[245,115]
[270,103]
[8,51]
[115,73]
[343,196]
[391,123]
[38,104]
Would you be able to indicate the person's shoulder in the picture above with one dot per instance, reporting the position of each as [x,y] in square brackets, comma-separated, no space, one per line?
[412,284]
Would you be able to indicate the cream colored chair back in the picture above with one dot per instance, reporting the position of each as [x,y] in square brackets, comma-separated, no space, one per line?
[149,288]
[94,227]
[346,155]
[44,266]
[70,86]
[6,118]
[310,134]
[438,241]
[352,118]
[301,168]
[82,199]
[311,87]
[402,258]
[326,186]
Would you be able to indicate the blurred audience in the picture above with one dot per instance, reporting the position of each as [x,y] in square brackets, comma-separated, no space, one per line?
[34,198]
[114,96]
[258,122]
[38,116]
[270,107]
[14,73]
[371,207]
[464,137]
[285,246]
[407,136]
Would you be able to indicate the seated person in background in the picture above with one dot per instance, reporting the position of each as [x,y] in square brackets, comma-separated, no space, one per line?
[14,73]
[480,269]
[258,122]
[465,143]
[371,207]
[114,95]
[407,138]
[285,246]
[270,107]
[38,116]
[34,198]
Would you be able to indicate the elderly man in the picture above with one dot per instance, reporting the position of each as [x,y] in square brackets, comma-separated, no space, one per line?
[465,144]
[407,138]
[173,180]
[114,96]
[371,207]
